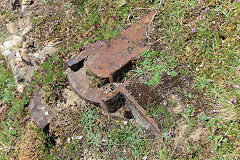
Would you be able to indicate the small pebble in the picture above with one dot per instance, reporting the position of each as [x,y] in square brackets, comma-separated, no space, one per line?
[79,137]
[68,140]
[144,158]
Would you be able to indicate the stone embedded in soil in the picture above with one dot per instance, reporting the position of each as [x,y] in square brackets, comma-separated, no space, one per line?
[13,27]
[40,111]
[6,53]
[12,42]
[20,88]
[24,56]
[21,70]
[46,50]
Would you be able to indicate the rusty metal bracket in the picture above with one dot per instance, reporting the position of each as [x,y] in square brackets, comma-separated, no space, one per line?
[107,60]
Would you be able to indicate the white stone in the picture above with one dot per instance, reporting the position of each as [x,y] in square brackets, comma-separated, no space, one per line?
[68,140]
[13,42]
[26,30]
[24,45]
[121,2]
[45,50]
[20,88]
[46,113]
[77,137]
[18,55]
[144,158]
[6,53]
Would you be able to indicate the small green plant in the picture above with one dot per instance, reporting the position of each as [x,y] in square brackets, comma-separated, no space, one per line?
[165,119]
[188,113]
[50,76]
[90,129]
[128,136]
[155,64]
[162,154]
[71,150]
[174,104]
[7,85]
[222,134]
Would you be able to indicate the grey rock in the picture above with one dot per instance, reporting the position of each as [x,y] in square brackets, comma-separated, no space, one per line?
[1,62]
[39,110]
[21,71]
[20,88]
[6,52]
[44,51]
[25,57]
[13,27]
[13,42]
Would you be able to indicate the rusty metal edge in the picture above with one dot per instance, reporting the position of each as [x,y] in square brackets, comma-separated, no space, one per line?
[122,88]
[91,49]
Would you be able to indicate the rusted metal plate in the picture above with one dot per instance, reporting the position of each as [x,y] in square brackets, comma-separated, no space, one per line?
[117,53]
[138,112]
[81,85]
[40,111]
[105,60]
[90,50]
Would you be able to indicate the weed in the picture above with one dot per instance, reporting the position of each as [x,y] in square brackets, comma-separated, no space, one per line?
[71,150]
[128,136]
[7,85]
[202,40]
[188,113]
[162,154]
[174,104]
[50,76]
[90,129]
[10,127]
[155,64]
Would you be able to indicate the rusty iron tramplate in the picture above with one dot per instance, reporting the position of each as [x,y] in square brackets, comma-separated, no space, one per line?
[91,49]
[104,60]
[80,84]
[117,53]
[40,111]
[138,112]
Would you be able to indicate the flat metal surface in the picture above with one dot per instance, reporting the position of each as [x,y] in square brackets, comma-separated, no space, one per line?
[104,60]
[90,50]
[117,53]
[80,84]
[138,112]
